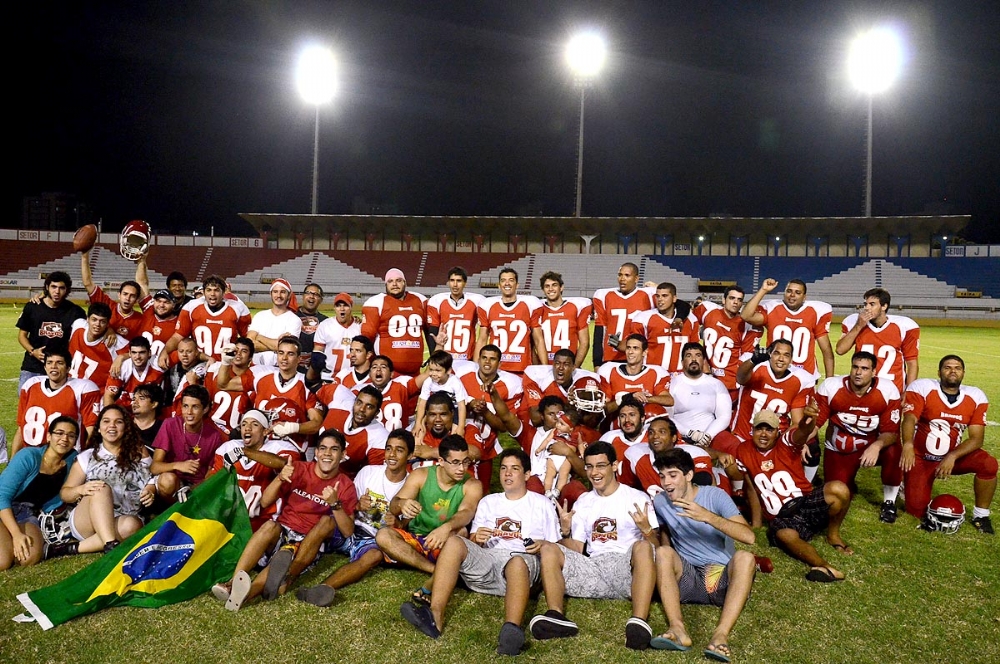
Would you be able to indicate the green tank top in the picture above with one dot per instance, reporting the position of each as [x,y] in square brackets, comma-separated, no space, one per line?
[439,505]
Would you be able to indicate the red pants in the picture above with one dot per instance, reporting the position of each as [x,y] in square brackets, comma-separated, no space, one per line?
[843,466]
[920,479]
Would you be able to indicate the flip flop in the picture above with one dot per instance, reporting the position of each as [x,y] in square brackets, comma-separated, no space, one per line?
[276,572]
[822,575]
[720,652]
[665,643]
[843,548]
[239,592]
[320,595]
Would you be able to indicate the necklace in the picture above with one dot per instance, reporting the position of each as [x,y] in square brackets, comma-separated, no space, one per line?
[194,450]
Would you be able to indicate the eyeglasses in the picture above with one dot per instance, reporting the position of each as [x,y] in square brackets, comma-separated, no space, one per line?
[455,463]
[63,434]
[596,466]
[313,293]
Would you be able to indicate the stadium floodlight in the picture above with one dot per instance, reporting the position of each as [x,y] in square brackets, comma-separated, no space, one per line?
[585,54]
[873,63]
[316,80]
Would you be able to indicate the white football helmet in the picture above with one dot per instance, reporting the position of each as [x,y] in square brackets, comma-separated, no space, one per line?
[945,514]
[588,401]
[134,240]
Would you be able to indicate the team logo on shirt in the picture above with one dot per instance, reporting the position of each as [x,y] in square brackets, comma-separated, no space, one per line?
[767,466]
[507,528]
[51,329]
[604,530]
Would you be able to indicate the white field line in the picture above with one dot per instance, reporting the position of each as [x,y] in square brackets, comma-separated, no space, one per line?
[963,352]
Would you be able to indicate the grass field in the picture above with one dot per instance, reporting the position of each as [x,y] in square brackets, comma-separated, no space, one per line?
[909,596]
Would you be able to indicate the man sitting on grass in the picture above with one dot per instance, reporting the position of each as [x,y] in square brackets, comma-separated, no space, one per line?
[310,490]
[698,563]
[606,552]
[498,558]
[377,486]
[434,504]
[772,464]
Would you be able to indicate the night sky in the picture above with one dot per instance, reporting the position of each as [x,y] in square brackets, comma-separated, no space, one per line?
[185,114]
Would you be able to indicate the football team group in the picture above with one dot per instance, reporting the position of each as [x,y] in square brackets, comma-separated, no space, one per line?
[380,439]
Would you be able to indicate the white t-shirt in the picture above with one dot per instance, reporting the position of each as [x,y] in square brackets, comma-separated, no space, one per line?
[266,324]
[605,524]
[539,454]
[373,481]
[336,340]
[532,515]
[452,386]
[701,403]
[125,485]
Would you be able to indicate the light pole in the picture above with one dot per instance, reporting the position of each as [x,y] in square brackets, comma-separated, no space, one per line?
[585,54]
[873,64]
[316,80]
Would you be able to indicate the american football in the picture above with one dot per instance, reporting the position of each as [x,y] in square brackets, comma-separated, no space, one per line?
[85,238]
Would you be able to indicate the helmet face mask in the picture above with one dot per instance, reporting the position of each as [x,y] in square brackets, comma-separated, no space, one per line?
[588,401]
[945,514]
[134,239]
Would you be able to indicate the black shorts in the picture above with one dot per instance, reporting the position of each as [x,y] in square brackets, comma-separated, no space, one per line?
[811,517]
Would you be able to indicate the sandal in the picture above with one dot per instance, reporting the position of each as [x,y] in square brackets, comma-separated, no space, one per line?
[667,641]
[844,548]
[421,597]
[822,575]
[720,652]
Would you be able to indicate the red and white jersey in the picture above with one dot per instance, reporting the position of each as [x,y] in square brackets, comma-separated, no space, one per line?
[857,421]
[940,423]
[664,344]
[622,446]
[127,326]
[38,405]
[131,378]
[896,342]
[335,395]
[157,330]
[289,402]
[509,328]
[458,320]
[765,391]
[477,431]
[726,340]
[365,445]
[213,330]
[350,379]
[777,474]
[538,382]
[802,328]
[561,325]
[92,360]
[397,327]
[616,383]
[399,403]
[334,340]
[228,406]
[612,309]
[639,459]
[253,477]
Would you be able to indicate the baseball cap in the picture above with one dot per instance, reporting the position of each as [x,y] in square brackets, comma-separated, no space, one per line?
[768,417]
[343,297]
[163,294]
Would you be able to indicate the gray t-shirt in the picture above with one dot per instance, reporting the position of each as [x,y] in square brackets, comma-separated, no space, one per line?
[698,543]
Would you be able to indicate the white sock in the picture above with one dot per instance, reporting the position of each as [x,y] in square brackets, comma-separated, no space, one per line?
[737,485]
[811,472]
[889,493]
[978,512]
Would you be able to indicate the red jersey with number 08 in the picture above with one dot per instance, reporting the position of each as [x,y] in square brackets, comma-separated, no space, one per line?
[397,327]
[940,423]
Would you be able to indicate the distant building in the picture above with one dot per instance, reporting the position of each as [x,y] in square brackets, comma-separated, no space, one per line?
[54,211]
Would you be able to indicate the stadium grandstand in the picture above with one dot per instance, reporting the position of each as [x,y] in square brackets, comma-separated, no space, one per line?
[915,258]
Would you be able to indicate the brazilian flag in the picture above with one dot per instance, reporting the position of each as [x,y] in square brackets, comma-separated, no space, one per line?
[177,556]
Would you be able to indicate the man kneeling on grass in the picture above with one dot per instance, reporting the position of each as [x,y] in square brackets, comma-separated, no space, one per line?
[606,552]
[435,503]
[698,563]
[377,485]
[772,464]
[310,491]
[499,558]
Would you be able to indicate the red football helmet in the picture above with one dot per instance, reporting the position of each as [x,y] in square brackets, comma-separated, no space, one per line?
[945,514]
[134,240]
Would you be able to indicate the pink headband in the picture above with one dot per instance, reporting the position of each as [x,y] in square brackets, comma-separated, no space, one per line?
[394,273]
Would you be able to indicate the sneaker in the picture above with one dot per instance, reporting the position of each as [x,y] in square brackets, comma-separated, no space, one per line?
[277,570]
[552,625]
[511,641]
[59,549]
[888,512]
[420,616]
[638,634]
[182,494]
[239,592]
[321,595]
[764,565]
[109,546]
[983,525]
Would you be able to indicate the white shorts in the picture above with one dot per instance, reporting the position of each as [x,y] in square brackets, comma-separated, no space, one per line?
[482,570]
[605,576]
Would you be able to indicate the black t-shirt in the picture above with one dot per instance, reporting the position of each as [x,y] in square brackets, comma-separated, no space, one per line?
[149,435]
[309,324]
[47,326]
[42,489]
